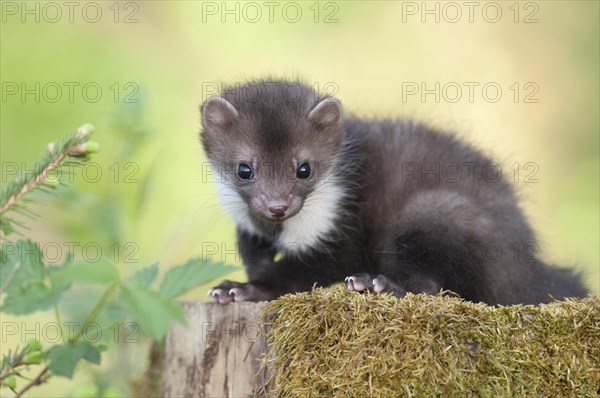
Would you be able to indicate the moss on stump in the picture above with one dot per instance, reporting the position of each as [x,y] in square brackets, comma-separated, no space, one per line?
[330,342]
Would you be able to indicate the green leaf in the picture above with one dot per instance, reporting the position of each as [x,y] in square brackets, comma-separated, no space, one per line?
[21,264]
[64,357]
[90,353]
[35,358]
[150,310]
[193,273]
[55,270]
[146,275]
[22,273]
[34,297]
[102,273]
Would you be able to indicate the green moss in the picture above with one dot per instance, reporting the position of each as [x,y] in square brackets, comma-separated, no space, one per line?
[333,343]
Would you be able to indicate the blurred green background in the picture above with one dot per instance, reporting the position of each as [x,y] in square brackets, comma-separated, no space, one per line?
[155,62]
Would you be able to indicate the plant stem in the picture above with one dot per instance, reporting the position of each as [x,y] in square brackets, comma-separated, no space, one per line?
[35,382]
[109,291]
[39,378]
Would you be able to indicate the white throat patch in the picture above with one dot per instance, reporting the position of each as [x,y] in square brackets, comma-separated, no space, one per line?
[304,230]
[315,220]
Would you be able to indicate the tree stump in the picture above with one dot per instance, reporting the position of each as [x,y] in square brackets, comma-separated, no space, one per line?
[217,354]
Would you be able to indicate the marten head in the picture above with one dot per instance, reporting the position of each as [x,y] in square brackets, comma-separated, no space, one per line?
[273,146]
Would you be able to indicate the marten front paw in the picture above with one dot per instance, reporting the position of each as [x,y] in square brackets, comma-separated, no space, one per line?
[380,284]
[223,293]
[229,291]
[359,282]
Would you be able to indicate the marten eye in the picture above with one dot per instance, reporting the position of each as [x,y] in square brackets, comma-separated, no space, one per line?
[244,171]
[303,171]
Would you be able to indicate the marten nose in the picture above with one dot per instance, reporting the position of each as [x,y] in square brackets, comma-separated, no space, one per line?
[278,211]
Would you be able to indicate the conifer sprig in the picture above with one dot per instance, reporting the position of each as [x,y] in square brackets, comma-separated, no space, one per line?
[72,150]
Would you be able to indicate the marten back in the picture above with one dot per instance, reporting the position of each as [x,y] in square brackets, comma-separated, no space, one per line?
[452,216]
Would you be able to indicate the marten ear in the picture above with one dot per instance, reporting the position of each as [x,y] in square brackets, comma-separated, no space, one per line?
[327,113]
[218,113]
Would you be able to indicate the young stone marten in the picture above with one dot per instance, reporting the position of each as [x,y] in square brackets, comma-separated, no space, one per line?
[389,206]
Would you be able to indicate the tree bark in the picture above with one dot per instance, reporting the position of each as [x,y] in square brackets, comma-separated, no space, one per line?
[217,354]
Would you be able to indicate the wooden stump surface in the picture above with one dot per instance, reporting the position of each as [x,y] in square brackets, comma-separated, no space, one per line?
[217,354]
